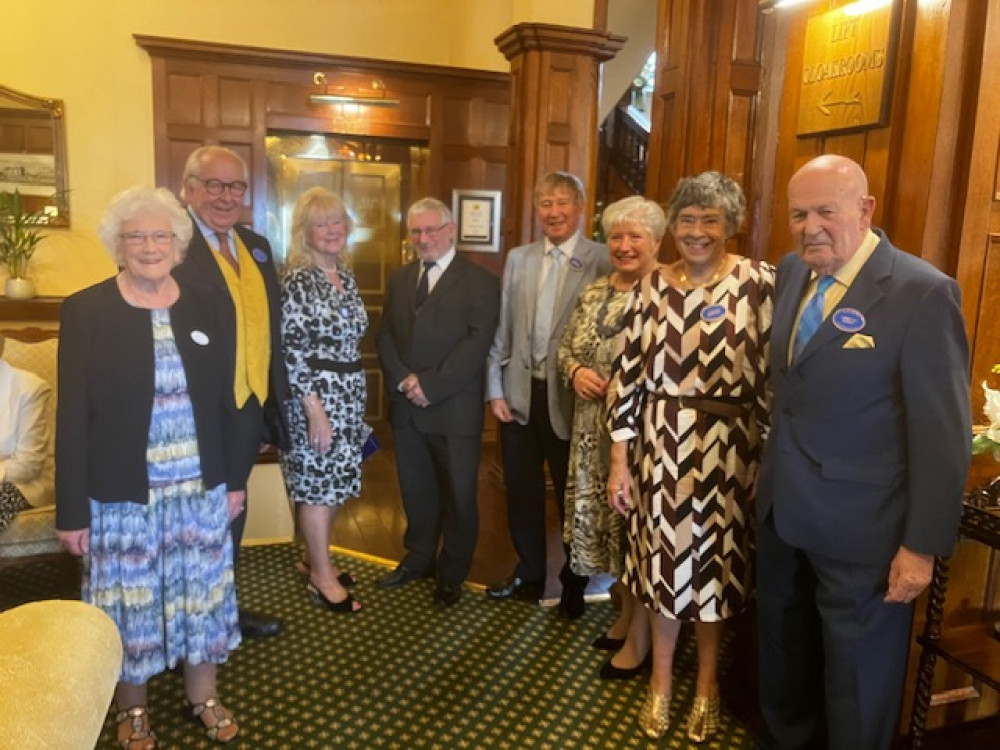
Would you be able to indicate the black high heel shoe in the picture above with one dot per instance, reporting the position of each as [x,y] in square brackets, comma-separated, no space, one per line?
[345,579]
[607,643]
[610,672]
[343,607]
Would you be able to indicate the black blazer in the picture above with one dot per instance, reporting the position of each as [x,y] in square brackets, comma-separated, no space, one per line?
[106,367]
[445,344]
[199,266]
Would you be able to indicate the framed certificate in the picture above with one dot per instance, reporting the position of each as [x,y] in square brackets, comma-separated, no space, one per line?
[477,220]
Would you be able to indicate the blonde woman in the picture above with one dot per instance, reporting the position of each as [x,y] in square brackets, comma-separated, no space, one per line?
[323,320]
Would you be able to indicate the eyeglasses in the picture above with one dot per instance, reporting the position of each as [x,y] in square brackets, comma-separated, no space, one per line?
[138,239]
[429,231]
[215,187]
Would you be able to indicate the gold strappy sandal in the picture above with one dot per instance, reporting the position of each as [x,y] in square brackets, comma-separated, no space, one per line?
[703,721]
[136,720]
[224,729]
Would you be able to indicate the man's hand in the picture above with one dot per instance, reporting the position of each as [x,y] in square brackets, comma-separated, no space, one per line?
[76,542]
[500,410]
[412,390]
[909,574]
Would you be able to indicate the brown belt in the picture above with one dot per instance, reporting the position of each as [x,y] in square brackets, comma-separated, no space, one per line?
[720,406]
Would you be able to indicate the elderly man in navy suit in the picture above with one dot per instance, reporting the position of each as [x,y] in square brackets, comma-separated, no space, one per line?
[236,262]
[541,282]
[862,478]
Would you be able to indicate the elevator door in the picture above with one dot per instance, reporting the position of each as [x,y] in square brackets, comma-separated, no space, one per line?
[374,179]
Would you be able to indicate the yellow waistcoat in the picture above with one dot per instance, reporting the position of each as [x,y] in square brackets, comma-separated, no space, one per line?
[253,324]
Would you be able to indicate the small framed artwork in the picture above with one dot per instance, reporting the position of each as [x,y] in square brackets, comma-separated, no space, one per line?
[477,220]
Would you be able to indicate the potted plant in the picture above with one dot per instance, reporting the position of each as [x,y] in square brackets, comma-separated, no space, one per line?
[19,238]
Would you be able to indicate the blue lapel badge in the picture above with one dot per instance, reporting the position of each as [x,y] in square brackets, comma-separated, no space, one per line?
[199,337]
[259,255]
[848,320]
[576,264]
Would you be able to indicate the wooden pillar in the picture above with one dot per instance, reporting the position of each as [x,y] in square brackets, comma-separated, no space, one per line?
[555,82]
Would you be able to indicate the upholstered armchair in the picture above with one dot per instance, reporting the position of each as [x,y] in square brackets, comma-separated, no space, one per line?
[33,530]
[59,663]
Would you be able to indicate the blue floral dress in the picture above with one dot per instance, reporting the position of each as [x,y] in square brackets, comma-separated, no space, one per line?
[163,570]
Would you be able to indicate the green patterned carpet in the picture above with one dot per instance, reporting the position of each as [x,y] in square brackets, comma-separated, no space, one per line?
[405,674]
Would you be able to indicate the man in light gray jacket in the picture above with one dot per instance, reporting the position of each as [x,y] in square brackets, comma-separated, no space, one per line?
[541,282]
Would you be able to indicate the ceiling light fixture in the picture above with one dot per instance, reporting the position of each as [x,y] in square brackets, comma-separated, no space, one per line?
[341,95]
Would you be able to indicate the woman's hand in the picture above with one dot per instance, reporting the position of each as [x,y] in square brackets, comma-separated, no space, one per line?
[588,385]
[619,483]
[320,432]
[76,542]
[237,500]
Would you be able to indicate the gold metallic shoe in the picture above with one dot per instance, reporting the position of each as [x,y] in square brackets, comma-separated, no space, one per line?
[654,716]
[703,721]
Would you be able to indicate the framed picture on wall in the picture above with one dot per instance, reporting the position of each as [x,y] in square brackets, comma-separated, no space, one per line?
[477,220]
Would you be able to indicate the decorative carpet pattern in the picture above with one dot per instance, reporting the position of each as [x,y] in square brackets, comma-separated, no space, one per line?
[404,674]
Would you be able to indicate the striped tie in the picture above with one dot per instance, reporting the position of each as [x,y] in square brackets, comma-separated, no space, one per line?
[812,316]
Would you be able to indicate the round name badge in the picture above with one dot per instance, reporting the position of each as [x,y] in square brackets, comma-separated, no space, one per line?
[712,313]
[576,264]
[259,255]
[199,337]
[848,320]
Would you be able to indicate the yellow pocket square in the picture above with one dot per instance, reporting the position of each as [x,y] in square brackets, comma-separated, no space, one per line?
[859,341]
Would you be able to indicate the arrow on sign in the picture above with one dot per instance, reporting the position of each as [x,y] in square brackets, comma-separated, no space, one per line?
[824,106]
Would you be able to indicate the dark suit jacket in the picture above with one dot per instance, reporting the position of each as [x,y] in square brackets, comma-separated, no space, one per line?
[869,447]
[106,384]
[200,265]
[444,344]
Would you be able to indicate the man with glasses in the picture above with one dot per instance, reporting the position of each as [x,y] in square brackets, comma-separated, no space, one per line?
[236,262]
[438,322]
[541,282]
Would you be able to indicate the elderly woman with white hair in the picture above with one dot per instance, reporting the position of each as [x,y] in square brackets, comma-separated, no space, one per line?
[323,321]
[145,481]
[591,343]
[689,405]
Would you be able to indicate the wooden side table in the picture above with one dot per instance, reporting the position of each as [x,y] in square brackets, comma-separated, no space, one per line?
[975,649]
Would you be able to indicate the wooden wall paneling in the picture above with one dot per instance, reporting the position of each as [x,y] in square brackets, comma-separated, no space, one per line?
[706,98]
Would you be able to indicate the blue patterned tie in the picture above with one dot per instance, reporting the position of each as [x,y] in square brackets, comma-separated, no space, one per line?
[544,309]
[812,316]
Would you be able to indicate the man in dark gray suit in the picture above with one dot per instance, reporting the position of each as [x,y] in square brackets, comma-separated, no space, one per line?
[439,318]
[862,478]
[541,282]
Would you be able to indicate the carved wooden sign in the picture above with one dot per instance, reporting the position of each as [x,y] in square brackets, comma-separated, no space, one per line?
[847,69]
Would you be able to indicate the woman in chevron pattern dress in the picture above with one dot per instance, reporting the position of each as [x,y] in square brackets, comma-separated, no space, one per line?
[688,412]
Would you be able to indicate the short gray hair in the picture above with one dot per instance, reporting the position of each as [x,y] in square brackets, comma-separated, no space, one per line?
[709,190]
[192,167]
[635,208]
[135,200]
[429,205]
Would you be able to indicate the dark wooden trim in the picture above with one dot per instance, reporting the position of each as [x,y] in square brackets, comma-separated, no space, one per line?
[40,309]
[277,58]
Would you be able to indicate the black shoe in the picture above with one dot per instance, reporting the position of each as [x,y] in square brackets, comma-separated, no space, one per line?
[258,625]
[345,606]
[610,672]
[398,577]
[447,595]
[514,587]
[605,643]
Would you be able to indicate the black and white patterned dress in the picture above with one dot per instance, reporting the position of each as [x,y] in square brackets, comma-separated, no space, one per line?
[321,322]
